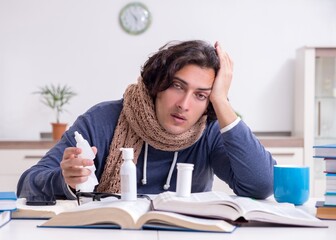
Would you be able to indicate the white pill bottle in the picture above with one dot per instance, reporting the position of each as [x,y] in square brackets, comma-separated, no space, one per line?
[128,176]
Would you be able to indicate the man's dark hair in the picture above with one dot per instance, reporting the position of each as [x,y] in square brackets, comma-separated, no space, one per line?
[159,70]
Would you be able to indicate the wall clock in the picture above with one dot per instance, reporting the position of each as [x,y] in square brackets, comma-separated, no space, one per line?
[135,18]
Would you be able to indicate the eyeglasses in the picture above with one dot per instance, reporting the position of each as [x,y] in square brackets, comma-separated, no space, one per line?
[97,196]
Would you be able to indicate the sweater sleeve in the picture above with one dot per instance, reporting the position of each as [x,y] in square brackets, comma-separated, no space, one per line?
[45,178]
[97,127]
[243,163]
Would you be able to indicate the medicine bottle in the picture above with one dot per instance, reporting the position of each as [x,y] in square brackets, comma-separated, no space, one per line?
[87,153]
[128,176]
[184,179]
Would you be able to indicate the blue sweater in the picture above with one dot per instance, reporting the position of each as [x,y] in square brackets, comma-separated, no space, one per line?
[235,156]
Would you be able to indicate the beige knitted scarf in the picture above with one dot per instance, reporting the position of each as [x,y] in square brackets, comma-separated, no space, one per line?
[138,123]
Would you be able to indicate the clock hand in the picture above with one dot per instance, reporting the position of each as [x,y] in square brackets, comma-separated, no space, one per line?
[134,16]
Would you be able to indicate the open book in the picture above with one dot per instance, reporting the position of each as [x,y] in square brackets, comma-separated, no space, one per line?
[112,213]
[24,211]
[222,206]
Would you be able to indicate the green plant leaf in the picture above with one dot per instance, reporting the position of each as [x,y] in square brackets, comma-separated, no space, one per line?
[56,97]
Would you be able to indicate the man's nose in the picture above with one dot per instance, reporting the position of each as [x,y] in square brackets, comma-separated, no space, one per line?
[183,103]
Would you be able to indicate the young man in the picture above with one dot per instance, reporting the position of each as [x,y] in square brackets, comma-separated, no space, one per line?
[168,116]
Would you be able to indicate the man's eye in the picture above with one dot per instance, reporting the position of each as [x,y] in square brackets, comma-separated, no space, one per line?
[201,96]
[177,85]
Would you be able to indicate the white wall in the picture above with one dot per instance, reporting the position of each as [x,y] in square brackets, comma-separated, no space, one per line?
[79,42]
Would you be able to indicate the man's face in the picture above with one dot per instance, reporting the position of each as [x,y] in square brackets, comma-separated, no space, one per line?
[180,106]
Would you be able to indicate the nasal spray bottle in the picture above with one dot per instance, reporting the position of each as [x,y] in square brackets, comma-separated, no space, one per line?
[128,176]
[87,153]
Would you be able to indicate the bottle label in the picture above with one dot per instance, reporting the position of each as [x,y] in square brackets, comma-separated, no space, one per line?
[125,186]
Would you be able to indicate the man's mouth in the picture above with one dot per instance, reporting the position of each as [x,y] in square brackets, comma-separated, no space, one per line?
[178,117]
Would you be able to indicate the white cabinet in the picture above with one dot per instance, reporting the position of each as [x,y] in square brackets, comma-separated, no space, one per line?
[288,155]
[315,106]
[14,162]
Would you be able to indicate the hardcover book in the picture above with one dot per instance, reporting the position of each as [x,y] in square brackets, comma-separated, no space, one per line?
[325,151]
[325,211]
[7,201]
[330,165]
[330,198]
[331,182]
[132,215]
[222,206]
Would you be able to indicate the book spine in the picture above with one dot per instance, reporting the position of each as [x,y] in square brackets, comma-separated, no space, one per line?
[330,176]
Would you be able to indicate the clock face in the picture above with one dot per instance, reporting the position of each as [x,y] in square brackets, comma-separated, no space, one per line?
[135,18]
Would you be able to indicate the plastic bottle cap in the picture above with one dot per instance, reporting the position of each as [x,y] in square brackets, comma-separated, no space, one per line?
[127,153]
[78,137]
[189,166]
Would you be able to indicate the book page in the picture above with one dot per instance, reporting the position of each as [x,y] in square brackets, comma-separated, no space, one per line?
[207,204]
[173,221]
[134,208]
[274,212]
[5,217]
[112,212]
[201,197]
[249,204]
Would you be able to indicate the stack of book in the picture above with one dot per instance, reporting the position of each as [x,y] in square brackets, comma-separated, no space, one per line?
[7,205]
[327,209]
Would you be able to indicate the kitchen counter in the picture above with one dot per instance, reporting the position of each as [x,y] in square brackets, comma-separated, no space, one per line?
[26,144]
[267,141]
[285,142]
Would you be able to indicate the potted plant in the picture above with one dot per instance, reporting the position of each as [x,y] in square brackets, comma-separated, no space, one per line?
[56,97]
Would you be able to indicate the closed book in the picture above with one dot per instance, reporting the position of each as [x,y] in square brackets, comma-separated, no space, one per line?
[330,198]
[330,165]
[331,182]
[331,177]
[7,201]
[330,186]
[324,211]
[5,217]
[325,151]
